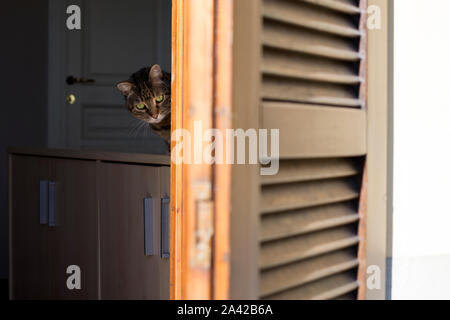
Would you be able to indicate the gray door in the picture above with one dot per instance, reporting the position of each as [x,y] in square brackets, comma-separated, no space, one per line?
[116,39]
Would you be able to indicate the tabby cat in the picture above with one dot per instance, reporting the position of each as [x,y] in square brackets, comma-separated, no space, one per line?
[147,96]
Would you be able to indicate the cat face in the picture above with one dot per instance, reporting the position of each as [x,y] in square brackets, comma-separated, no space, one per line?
[147,94]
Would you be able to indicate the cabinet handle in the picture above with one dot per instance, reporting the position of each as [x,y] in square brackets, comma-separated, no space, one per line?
[43,201]
[148,227]
[51,204]
[165,227]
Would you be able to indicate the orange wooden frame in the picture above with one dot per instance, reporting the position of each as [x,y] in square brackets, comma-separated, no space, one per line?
[201,91]
[176,170]
[362,210]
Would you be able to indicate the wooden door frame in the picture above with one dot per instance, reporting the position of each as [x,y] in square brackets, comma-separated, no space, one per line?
[201,90]
[210,61]
[379,174]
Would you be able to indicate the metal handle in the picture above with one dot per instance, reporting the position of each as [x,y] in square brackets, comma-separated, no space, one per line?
[43,201]
[51,204]
[71,80]
[148,227]
[165,227]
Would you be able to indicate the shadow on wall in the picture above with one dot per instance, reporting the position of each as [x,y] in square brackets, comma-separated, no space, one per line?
[23,118]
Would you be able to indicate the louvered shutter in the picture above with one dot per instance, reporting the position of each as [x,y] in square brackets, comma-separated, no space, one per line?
[313,90]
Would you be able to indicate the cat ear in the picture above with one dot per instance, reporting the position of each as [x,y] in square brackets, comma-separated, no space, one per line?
[125,87]
[155,74]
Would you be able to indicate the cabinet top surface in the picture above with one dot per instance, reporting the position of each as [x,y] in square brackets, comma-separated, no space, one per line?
[140,158]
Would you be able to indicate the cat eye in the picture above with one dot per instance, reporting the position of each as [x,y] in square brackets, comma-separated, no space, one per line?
[140,106]
[159,99]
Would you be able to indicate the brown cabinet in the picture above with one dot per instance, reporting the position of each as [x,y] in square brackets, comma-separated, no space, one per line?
[75,231]
[29,239]
[104,216]
[128,270]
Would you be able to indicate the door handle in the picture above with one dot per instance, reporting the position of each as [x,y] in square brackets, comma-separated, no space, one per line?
[43,201]
[71,99]
[71,80]
[165,227]
[148,227]
[51,204]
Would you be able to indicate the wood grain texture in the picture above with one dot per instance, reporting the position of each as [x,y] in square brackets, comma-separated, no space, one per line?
[222,121]
[75,236]
[198,83]
[40,253]
[126,273]
[362,210]
[176,170]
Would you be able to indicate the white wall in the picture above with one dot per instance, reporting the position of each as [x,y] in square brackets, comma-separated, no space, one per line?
[421,220]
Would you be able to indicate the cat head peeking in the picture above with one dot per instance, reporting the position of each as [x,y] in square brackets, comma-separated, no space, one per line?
[147,95]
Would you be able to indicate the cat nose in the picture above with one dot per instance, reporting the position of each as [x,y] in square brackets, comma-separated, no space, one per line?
[155,116]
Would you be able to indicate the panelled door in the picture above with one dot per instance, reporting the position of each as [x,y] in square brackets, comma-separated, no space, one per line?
[313,90]
[116,38]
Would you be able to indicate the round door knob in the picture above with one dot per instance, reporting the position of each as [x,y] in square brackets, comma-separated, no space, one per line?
[70,98]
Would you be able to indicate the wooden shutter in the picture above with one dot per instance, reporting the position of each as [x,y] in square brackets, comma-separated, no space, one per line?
[313,90]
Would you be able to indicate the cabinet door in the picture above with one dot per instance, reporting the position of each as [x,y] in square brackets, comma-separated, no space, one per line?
[126,271]
[75,234]
[31,268]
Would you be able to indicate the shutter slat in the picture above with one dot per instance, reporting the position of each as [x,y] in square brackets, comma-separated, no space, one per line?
[325,131]
[310,16]
[295,90]
[277,253]
[345,6]
[287,37]
[311,169]
[300,66]
[297,274]
[328,288]
[282,225]
[307,194]
[312,90]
